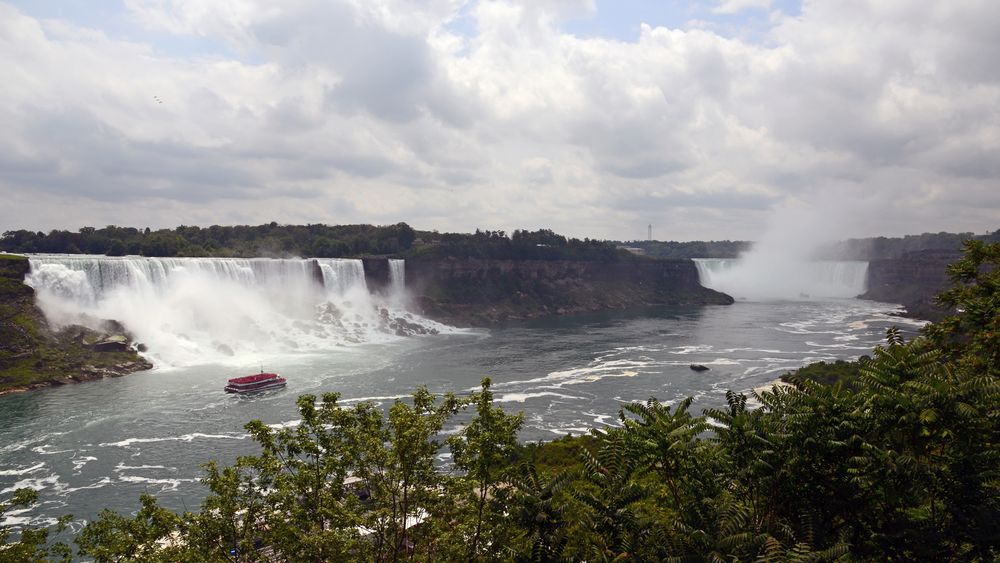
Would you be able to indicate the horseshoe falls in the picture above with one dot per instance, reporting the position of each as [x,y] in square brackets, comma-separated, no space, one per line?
[772,280]
[202,310]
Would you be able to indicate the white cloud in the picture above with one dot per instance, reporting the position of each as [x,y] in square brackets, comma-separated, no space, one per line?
[737,6]
[351,111]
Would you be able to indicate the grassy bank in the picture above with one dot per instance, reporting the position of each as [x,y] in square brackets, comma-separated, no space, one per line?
[33,355]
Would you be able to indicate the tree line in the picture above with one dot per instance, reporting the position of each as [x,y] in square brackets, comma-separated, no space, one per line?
[543,244]
[900,463]
[319,241]
[878,248]
[244,241]
[872,248]
[691,249]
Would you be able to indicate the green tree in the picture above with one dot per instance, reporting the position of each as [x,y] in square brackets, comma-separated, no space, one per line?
[610,494]
[117,248]
[540,513]
[972,336]
[396,461]
[31,544]
[306,511]
[154,534]
[482,450]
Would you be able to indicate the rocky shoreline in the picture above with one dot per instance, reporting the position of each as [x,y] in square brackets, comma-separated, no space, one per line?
[85,374]
[33,355]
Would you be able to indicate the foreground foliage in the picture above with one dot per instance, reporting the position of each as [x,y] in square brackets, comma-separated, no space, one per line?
[901,463]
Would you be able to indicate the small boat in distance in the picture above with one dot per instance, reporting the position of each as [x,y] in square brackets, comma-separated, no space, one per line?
[257,382]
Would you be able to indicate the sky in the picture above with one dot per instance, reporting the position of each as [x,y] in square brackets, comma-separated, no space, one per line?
[711,119]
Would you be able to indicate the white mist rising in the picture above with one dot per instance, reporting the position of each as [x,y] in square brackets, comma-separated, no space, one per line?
[757,278]
[203,310]
[781,265]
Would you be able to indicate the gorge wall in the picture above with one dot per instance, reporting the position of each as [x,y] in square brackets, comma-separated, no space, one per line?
[912,280]
[476,292]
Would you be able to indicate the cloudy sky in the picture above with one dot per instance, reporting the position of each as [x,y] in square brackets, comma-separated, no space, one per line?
[707,119]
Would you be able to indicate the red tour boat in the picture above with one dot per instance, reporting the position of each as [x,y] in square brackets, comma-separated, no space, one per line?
[257,382]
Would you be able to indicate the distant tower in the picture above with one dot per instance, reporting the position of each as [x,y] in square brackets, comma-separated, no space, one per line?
[649,231]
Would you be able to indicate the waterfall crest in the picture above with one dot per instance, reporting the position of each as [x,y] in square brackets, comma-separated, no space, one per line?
[202,310]
[784,279]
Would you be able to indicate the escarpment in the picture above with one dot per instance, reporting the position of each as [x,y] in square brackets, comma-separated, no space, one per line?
[479,291]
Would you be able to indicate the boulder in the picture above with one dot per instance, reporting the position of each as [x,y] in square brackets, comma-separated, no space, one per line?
[113,343]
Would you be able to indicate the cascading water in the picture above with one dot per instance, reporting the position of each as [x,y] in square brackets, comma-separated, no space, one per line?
[340,276]
[201,310]
[758,280]
[397,277]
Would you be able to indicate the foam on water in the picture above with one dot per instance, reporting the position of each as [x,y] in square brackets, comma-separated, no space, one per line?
[23,471]
[80,462]
[165,484]
[522,397]
[128,442]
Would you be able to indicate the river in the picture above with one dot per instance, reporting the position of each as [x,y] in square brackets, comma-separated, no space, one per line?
[101,444]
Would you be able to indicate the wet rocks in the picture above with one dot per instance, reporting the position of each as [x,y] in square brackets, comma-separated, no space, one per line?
[113,343]
[89,373]
[401,326]
[34,354]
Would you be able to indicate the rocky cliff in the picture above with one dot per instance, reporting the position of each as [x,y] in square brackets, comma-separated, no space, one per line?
[912,280]
[33,355]
[477,292]
[376,273]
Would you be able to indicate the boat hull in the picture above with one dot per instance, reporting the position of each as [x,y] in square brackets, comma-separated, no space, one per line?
[255,383]
[267,387]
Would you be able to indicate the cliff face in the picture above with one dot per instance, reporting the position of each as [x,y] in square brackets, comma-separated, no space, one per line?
[33,355]
[476,292]
[376,273]
[913,280]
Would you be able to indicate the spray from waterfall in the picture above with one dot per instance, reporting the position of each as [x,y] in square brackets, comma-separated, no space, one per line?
[782,265]
[784,280]
[203,310]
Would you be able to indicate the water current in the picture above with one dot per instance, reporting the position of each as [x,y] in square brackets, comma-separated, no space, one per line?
[101,444]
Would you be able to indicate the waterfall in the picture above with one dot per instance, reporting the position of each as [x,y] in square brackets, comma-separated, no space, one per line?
[340,276]
[397,276]
[201,310]
[783,279]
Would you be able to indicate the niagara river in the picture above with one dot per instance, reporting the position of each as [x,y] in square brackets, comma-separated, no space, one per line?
[317,323]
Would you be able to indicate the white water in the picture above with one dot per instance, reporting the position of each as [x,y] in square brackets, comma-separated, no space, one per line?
[397,276]
[198,310]
[767,280]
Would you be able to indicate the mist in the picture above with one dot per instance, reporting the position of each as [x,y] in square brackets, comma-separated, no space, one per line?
[190,311]
[783,264]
